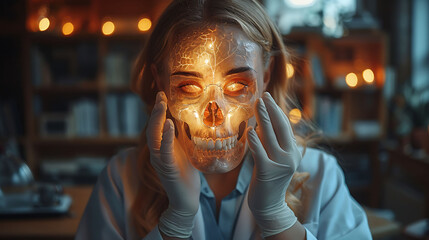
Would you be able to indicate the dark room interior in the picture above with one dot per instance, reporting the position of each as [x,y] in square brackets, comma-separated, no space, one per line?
[359,68]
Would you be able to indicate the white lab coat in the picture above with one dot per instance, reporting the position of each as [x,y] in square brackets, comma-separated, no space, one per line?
[331,213]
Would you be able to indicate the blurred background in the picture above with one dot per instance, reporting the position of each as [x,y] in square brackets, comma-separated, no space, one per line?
[360,69]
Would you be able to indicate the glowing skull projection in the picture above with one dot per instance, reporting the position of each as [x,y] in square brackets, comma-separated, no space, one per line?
[213,85]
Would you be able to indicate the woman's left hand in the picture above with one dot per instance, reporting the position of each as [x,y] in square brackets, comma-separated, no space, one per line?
[276,158]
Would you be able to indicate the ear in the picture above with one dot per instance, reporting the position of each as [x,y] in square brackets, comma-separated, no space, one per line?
[267,73]
[156,77]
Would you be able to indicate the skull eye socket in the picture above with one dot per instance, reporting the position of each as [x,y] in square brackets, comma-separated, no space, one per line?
[235,88]
[190,88]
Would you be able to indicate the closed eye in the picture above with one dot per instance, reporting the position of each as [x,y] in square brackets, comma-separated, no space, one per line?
[190,88]
[235,88]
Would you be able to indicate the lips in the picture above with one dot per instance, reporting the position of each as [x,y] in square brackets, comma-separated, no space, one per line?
[215,144]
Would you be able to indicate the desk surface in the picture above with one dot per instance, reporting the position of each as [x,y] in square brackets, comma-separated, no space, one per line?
[56,227]
[381,228]
[64,227]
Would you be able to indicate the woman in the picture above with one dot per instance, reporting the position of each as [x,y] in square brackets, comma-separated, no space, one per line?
[210,72]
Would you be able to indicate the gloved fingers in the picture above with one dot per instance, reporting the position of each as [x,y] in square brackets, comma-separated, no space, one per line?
[164,164]
[280,122]
[167,141]
[187,171]
[265,129]
[156,123]
[266,169]
[257,149]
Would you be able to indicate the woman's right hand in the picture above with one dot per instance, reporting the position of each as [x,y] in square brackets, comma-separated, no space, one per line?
[181,181]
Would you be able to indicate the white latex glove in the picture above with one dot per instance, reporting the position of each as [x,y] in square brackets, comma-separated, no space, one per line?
[180,180]
[276,157]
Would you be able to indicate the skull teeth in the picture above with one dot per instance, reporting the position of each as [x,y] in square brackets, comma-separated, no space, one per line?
[215,144]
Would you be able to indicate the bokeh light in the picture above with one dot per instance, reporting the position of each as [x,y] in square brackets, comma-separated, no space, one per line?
[368,75]
[68,28]
[295,115]
[290,71]
[144,24]
[44,24]
[351,80]
[300,3]
[108,28]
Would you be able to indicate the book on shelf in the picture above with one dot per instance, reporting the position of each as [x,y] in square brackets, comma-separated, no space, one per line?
[87,61]
[40,72]
[85,118]
[131,107]
[366,129]
[117,69]
[125,115]
[55,124]
[317,70]
[329,115]
[62,64]
[81,169]
[80,119]
[112,112]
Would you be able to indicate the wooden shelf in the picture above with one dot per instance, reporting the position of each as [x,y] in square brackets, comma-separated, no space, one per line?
[347,140]
[56,37]
[59,89]
[52,37]
[98,141]
[117,89]
[19,140]
[334,90]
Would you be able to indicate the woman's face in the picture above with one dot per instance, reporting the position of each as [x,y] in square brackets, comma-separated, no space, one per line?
[212,77]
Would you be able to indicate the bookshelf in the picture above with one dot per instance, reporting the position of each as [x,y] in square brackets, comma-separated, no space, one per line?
[81,102]
[69,82]
[350,111]
[59,73]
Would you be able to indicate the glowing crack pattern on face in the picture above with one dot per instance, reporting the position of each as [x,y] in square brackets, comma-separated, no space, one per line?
[210,103]
[204,50]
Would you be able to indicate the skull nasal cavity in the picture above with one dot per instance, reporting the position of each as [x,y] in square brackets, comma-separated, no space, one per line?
[213,115]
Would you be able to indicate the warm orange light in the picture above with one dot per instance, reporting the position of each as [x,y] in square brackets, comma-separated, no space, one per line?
[108,28]
[44,24]
[68,28]
[368,75]
[295,115]
[290,71]
[351,80]
[144,24]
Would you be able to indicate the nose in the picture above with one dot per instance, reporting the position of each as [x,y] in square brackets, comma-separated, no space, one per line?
[213,115]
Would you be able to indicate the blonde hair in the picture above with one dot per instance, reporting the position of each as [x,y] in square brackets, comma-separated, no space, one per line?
[180,15]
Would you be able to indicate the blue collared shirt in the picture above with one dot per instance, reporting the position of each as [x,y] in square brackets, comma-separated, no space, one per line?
[223,228]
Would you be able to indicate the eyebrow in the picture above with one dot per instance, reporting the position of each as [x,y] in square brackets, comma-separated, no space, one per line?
[187,74]
[239,70]
[192,74]
[199,75]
